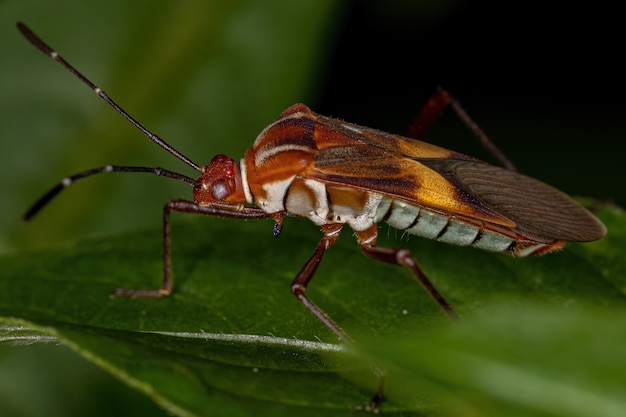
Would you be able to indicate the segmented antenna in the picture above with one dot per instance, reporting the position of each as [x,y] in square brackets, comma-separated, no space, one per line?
[43,47]
[66,182]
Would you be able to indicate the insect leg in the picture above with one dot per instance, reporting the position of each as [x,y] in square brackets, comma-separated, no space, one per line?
[429,112]
[433,108]
[298,286]
[367,240]
[480,134]
[237,211]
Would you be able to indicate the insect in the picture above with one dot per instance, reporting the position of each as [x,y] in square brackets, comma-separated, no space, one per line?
[337,173]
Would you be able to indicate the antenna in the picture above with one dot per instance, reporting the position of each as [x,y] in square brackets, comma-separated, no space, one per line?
[67,181]
[43,47]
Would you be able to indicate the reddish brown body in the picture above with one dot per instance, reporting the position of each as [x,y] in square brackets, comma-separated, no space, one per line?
[337,173]
[333,172]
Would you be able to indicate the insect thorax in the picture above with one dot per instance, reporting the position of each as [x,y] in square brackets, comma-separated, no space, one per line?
[323,203]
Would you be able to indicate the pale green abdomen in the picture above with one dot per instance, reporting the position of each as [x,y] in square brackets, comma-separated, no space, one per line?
[421,222]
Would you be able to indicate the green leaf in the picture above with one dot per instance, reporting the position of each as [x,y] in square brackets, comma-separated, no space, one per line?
[530,360]
[232,337]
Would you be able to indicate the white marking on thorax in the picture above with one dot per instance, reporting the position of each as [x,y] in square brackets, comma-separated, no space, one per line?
[275,191]
[244,182]
[265,153]
[314,204]
[319,215]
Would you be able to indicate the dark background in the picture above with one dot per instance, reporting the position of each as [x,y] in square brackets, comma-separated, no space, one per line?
[544,80]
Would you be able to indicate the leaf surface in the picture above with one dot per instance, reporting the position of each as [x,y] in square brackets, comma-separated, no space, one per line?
[232,337]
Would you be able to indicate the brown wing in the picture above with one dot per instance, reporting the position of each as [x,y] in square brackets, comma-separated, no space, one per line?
[451,183]
[535,207]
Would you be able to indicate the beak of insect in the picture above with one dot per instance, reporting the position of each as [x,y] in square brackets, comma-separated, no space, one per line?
[220,182]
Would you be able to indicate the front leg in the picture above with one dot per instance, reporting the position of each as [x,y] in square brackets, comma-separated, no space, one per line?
[235,211]
[299,284]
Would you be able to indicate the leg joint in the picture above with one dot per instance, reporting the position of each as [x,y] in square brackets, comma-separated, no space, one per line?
[297,289]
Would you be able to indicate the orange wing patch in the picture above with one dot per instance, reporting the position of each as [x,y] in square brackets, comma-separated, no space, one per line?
[377,170]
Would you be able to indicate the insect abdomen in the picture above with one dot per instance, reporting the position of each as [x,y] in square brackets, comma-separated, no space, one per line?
[424,223]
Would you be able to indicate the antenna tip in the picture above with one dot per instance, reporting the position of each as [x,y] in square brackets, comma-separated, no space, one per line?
[22,27]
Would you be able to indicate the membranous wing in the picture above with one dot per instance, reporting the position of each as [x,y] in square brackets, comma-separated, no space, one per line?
[453,184]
